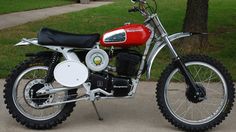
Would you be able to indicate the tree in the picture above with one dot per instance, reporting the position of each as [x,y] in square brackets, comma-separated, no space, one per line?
[196,20]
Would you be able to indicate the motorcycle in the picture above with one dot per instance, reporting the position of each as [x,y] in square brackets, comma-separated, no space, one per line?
[194,92]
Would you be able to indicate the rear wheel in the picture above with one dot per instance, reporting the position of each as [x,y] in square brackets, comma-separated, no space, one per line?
[23,103]
[178,106]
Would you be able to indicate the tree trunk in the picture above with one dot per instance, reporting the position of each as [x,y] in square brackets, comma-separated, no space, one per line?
[196,20]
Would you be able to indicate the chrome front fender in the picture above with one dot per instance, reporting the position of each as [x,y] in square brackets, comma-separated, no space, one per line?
[159,45]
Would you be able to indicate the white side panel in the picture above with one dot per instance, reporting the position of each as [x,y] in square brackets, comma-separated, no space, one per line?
[71,73]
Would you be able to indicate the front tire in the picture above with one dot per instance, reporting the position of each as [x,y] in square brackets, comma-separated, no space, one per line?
[23,115]
[179,110]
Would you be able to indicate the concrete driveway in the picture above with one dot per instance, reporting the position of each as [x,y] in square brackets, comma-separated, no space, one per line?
[139,114]
[18,18]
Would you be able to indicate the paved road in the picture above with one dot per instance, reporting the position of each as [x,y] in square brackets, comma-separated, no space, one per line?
[13,19]
[123,115]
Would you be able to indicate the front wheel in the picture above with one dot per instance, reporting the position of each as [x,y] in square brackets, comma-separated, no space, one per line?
[177,105]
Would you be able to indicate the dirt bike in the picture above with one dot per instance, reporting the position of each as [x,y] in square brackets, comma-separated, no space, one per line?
[194,92]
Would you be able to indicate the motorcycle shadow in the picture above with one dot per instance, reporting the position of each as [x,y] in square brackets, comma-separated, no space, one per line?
[139,114]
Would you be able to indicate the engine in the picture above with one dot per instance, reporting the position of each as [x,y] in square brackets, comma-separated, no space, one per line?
[118,83]
[120,86]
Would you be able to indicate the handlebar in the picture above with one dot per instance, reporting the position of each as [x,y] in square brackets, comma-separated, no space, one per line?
[143,7]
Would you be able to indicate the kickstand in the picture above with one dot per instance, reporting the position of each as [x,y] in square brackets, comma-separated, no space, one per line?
[99,117]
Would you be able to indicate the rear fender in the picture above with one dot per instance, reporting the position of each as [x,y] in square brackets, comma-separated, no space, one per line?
[25,42]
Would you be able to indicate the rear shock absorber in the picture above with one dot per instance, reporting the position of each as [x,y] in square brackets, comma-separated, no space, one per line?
[54,61]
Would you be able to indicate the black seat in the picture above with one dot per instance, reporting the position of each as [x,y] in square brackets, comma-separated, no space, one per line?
[52,37]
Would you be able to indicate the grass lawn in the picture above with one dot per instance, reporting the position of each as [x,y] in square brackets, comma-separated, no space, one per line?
[7,6]
[222,16]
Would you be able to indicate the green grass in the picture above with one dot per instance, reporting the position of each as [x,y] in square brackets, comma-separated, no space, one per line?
[222,16]
[7,6]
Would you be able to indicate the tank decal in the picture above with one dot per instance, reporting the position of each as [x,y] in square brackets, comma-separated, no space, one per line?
[117,36]
[126,36]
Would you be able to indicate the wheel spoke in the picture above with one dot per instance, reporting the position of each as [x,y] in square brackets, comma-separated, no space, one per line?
[208,82]
[209,79]
[179,99]
[197,108]
[192,111]
[20,98]
[182,102]
[177,79]
[197,73]
[207,103]
[212,90]
[188,108]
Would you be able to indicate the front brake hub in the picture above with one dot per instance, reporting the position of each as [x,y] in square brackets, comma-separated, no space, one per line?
[196,96]
[31,96]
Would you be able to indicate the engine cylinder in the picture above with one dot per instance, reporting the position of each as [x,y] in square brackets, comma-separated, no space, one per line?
[127,64]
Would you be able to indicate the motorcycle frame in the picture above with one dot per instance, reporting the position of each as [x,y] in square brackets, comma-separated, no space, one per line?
[147,59]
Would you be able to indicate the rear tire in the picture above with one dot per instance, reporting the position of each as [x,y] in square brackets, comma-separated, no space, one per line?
[17,114]
[184,124]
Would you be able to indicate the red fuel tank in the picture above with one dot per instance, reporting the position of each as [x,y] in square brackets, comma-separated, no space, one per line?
[126,36]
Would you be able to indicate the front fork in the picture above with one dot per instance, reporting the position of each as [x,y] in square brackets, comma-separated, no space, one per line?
[195,90]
